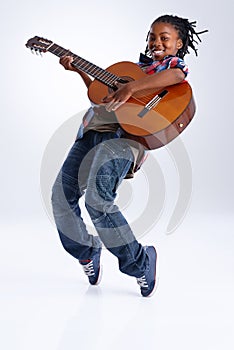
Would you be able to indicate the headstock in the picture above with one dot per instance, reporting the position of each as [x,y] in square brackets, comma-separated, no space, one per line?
[38,44]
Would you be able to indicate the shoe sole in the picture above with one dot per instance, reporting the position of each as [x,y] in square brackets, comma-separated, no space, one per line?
[156,277]
[99,276]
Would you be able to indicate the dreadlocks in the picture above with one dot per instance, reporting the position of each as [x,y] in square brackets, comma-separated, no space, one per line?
[185,30]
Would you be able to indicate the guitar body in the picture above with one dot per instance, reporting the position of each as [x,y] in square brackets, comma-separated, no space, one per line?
[157,126]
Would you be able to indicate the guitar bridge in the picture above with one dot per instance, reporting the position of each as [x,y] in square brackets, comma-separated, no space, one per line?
[152,103]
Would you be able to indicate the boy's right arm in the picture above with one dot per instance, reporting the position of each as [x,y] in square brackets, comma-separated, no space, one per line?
[66,62]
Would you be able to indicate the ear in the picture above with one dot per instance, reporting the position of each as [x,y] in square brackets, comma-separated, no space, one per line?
[179,44]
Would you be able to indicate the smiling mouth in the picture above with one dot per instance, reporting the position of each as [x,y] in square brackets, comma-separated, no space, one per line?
[157,52]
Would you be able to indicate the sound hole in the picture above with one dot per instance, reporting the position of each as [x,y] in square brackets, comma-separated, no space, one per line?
[122,80]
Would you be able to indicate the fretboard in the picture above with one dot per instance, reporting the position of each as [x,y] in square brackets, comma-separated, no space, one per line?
[78,62]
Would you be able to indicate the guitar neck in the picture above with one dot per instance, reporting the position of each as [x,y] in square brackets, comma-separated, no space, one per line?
[80,63]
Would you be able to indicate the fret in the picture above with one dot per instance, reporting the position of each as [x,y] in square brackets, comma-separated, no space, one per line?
[57,50]
[110,79]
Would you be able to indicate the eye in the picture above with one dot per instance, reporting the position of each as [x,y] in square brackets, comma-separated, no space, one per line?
[164,38]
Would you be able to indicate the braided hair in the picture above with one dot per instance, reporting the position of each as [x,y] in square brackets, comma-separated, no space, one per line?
[185,31]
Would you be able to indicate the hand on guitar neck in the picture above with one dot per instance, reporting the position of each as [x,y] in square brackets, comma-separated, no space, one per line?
[66,62]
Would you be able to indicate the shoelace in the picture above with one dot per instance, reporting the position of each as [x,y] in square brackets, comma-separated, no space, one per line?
[88,269]
[142,282]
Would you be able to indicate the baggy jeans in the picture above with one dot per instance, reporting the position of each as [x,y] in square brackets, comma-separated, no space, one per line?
[95,166]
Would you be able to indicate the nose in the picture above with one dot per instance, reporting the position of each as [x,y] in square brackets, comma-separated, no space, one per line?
[157,42]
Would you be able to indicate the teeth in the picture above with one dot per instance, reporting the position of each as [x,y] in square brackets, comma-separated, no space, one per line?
[158,52]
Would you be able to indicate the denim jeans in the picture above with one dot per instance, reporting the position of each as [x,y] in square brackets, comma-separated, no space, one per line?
[95,166]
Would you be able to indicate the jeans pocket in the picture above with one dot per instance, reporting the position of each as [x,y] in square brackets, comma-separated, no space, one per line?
[119,148]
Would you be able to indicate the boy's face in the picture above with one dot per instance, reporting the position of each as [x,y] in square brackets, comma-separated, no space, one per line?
[163,40]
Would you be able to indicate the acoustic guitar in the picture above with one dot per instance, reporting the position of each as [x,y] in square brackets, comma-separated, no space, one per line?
[151,117]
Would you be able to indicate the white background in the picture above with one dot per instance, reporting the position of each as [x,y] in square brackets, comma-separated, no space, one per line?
[46,301]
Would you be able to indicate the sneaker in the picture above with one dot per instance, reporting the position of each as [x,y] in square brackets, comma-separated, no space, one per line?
[148,282]
[92,269]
